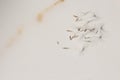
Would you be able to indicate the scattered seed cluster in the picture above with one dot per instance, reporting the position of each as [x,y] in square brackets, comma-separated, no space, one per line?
[87,28]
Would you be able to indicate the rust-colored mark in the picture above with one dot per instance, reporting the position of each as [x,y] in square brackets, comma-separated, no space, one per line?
[41,14]
[14,38]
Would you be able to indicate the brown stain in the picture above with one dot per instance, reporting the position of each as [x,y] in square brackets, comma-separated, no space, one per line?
[14,38]
[41,15]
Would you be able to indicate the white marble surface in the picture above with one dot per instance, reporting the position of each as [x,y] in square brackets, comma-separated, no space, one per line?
[34,54]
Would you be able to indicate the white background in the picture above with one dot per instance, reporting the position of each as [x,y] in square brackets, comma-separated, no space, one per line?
[35,56]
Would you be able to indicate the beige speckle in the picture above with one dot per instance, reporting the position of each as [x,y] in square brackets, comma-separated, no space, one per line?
[20,30]
[40,17]
[15,37]
[11,41]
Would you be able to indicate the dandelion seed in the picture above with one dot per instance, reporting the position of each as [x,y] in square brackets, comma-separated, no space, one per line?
[70,37]
[65,48]
[83,49]
[58,42]
[75,36]
[100,37]
[101,28]
[86,30]
[75,16]
[79,29]
[88,41]
[69,30]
